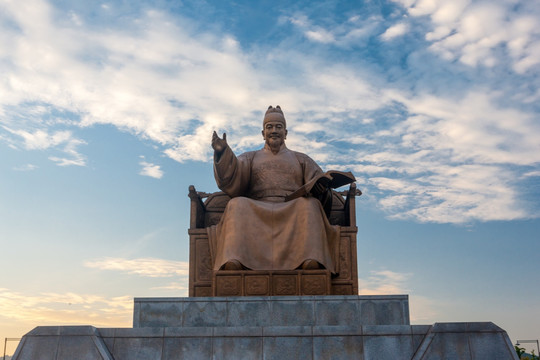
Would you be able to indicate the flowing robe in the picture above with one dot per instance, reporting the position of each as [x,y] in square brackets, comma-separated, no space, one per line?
[260,229]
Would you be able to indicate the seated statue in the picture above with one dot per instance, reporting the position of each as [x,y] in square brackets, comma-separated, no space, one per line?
[259,229]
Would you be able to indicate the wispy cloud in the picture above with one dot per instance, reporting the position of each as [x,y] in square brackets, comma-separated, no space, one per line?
[74,157]
[384,282]
[149,169]
[148,267]
[394,31]
[61,141]
[26,167]
[424,309]
[182,286]
[314,33]
[351,32]
[66,308]
[40,140]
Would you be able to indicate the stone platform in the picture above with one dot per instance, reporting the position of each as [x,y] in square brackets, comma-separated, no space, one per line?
[312,327]
[265,311]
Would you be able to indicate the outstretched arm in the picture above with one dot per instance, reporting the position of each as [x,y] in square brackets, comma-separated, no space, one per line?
[232,173]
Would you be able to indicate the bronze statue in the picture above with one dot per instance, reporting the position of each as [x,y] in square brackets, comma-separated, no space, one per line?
[259,229]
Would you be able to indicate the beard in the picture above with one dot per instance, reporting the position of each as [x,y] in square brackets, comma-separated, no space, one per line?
[274,141]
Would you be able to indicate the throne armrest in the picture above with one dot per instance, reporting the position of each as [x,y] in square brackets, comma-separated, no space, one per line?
[350,204]
[198,210]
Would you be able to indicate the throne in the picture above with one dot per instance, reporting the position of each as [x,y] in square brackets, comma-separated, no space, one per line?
[207,209]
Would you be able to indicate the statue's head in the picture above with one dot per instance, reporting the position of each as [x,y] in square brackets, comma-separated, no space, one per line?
[274,127]
[274,114]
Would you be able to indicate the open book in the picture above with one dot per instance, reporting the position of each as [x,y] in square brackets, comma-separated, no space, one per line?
[330,179]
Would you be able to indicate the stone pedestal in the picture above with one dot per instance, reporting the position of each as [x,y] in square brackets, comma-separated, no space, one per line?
[296,327]
[348,310]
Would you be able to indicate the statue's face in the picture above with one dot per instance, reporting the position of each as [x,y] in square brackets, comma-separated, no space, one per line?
[274,133]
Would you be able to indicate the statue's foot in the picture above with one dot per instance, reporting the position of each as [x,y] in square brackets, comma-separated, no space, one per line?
[232,265]
[311,264]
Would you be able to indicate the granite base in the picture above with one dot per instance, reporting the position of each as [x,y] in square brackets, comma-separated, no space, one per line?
[331,327]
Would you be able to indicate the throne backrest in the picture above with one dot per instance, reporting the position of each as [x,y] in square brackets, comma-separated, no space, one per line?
[208,212]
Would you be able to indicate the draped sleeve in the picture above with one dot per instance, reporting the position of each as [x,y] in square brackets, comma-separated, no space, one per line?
[310,168]
[233,174]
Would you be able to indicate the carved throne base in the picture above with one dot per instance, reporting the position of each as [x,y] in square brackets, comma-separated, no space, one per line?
[271,282]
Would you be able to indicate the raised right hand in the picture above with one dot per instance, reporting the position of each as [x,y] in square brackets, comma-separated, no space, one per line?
[219,145]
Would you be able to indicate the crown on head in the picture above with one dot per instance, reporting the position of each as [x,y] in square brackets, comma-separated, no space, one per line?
[274,114]
[272,109]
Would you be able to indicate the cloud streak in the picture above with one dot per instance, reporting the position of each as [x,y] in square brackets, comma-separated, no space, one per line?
[147,267]
[384,282]
[66,308]
[62,141]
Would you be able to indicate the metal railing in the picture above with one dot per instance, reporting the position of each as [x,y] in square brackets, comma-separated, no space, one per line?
[5,344]
[519,342]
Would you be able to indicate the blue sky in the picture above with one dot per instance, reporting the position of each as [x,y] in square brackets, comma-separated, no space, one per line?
[107,110]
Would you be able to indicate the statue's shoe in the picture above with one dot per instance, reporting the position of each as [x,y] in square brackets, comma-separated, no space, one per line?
[232,265]
[311,264]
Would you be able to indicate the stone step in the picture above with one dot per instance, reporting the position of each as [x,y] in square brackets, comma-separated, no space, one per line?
[463,341]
